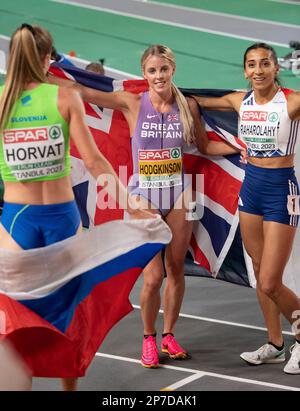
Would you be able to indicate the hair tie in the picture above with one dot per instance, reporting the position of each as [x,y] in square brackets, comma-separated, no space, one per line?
[27,26]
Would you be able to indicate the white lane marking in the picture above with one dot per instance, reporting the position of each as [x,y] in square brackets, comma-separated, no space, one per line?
[213,320]
[285,1]
[183,382]
[210,374]
[184,26]
[218,13]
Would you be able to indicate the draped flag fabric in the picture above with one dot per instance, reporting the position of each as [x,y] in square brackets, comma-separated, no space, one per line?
[216,247]
[216,231]
[58,320]
[57,303]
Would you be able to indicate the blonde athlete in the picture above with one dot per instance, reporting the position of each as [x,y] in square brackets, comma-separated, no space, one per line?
[36,120]
[269,118]
[160,123]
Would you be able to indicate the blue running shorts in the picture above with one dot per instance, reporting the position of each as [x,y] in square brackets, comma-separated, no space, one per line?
[272,193]
[34,226]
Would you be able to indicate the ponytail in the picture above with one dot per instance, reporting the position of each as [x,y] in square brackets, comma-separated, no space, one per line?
[185,115]
[29,46]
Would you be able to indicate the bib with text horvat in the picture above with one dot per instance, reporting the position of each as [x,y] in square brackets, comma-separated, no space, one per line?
[34,151]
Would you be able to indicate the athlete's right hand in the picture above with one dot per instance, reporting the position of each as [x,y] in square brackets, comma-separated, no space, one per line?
[142,214]
[136,211]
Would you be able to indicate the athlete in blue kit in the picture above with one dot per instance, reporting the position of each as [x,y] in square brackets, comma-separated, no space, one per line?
[269,118]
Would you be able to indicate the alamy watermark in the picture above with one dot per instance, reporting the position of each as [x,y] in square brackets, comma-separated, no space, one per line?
[160,194]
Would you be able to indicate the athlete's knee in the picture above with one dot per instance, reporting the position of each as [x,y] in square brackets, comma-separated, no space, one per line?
[175,267]
[269,287]
[153,283]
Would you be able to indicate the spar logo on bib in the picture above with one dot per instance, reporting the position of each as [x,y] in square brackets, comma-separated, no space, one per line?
[54,132]
[175,153]
[25,135]
[273,117]
[254,115]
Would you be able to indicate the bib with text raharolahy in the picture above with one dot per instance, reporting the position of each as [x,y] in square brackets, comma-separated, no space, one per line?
[259,128]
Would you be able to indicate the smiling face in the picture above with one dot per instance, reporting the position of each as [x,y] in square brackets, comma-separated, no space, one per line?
[159,73]
[261,68]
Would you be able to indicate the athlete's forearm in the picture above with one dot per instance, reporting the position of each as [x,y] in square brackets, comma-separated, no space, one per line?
[219,148]
[215,103]
[106,177]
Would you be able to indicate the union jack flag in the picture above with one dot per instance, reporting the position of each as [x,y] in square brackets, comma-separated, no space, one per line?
[216,247]
[172,117]
[216,232]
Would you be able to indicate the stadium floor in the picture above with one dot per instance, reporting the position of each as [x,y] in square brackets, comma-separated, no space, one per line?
[219,320]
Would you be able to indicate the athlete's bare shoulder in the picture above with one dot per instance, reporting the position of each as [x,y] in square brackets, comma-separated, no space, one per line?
[236,99]
[294,105]
[67,99]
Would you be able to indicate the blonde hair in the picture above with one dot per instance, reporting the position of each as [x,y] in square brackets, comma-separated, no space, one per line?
[185,115]
[29,46]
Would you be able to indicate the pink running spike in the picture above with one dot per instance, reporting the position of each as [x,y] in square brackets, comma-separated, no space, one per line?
[150,353]
[170,346]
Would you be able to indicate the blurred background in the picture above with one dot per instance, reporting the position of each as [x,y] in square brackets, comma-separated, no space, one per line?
[208,37]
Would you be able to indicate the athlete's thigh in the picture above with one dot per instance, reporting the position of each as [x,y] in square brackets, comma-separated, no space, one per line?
[277,248]
[181,233]
[6,240]
[251,226]
[154,271]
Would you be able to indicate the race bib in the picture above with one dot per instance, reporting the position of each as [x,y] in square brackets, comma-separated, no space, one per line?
[34,152]
[293,204]
[160,168]
[259,129]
